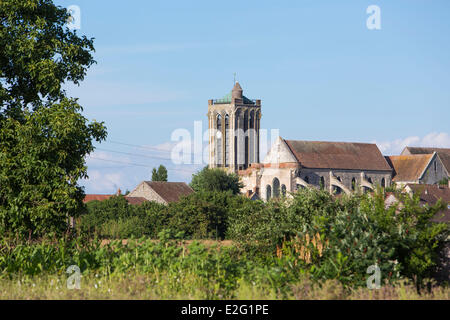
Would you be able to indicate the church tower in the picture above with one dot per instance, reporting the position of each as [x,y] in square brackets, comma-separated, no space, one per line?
[234,123]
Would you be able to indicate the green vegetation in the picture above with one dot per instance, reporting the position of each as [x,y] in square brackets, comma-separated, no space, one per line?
[159,174]
[215,180]
[201,215]
[172,269]
[43,136]
[324,237]
[310,245]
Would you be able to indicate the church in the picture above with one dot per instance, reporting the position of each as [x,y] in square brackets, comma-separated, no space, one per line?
[339,167]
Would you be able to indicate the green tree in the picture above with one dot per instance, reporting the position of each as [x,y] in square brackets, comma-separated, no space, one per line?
[215,180]
[160,174]
[43,136]
[202,215]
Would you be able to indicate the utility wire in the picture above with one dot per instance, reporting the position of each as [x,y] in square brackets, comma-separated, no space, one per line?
[138,146]
[134,154]
[137,164]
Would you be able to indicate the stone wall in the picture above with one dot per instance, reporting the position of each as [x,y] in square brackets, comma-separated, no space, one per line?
[313,177]
[435,172]
[264,175]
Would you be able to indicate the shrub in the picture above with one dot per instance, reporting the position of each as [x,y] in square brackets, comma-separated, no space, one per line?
[201,215]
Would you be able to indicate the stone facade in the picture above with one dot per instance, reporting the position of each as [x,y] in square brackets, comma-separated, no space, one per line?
[282,173]
[145,191]
[234,123]
[434,172]
[234,132]
[160,191]
[417,168]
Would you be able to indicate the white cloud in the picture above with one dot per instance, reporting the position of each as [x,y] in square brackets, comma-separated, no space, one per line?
[434,139]
[104,182]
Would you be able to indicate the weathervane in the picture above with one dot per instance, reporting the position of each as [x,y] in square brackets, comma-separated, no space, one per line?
[234,78]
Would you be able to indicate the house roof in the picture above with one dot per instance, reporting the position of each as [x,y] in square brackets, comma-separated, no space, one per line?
[430,194]
[338,155]
[102,197]
[443,153]
[409,167]
[96,197]
[135,200]
[170,191]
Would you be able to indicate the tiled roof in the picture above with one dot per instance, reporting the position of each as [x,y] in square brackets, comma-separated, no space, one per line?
[409,168]
[97,197]
[434,192]
[102,197]
[443,153]
[338,155]
[170,191]
[430,194]
[135,200]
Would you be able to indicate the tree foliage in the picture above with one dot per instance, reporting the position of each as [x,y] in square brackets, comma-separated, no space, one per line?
[44,137]
[328,237]
[159,174]
[38,53]
[215,180]
[340,238]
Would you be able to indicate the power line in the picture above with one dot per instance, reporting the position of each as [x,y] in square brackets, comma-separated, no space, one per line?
[138,146]
[133,154]
[137,164]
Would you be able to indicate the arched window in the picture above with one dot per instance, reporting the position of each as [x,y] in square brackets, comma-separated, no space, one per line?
[268,192]
[257,114]
[246,144]
[353,184]
[219,140]
[322,183]
[337,189]
[252,119]
[237,124]
[370,180]
[383,183]
[251,137]
[227,141]
[276,188]
[283,190]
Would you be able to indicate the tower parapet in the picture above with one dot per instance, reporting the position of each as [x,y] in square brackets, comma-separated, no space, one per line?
[234,123]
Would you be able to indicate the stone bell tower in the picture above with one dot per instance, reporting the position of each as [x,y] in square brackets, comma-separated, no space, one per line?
[234,123]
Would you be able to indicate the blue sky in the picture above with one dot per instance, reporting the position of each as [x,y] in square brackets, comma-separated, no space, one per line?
[320,72]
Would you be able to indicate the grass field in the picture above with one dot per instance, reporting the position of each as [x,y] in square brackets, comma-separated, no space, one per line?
[162,269]
[162,286]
